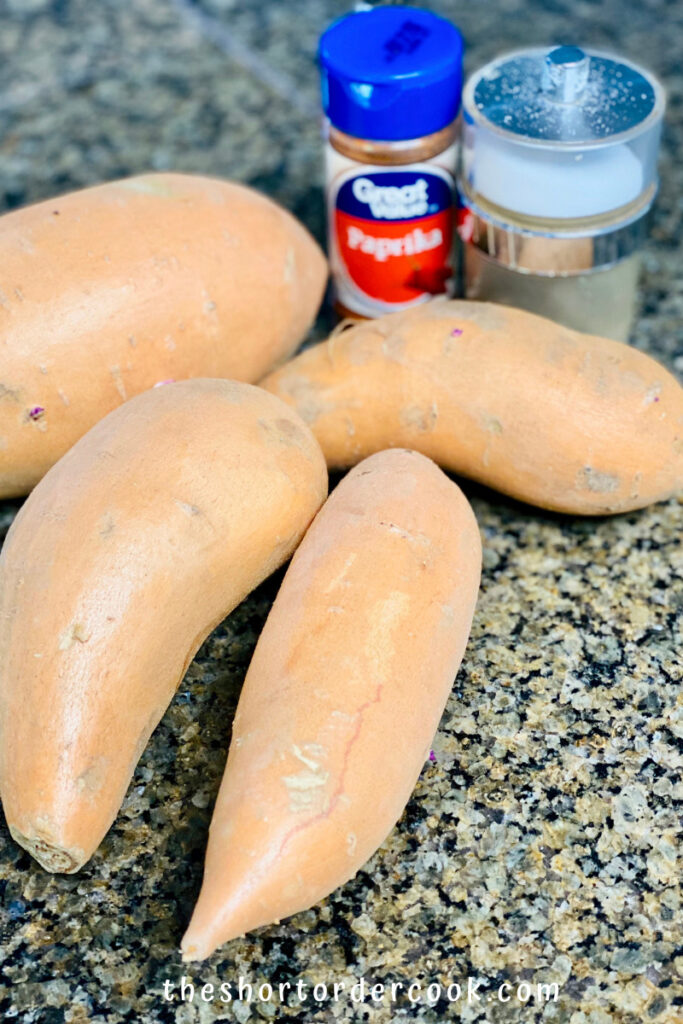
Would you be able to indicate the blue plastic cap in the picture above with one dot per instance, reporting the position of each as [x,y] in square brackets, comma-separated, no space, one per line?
[391,73]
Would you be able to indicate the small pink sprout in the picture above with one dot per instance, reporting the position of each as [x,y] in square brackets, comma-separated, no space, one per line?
[656,398]
[160,383]
[36,412]
[456,332]
[432,755]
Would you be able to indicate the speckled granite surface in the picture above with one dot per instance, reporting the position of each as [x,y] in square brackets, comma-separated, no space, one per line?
[541,844]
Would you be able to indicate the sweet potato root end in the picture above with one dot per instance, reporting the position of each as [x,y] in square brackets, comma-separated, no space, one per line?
[50,856]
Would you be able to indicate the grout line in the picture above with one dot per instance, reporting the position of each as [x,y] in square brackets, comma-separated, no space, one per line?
[221,36]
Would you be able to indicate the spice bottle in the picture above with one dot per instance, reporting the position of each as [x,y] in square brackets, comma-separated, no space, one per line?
[391,83]
[559,173]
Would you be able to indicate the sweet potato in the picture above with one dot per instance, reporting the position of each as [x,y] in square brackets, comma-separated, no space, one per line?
[343,695]
[126,555]
[562,420]
[108,291]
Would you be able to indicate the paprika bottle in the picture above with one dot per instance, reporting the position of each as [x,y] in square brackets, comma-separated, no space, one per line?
[391,84]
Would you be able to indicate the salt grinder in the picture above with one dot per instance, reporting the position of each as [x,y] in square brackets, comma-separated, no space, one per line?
[559,173]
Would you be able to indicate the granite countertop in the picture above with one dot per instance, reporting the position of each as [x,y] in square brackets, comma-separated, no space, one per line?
[541,843]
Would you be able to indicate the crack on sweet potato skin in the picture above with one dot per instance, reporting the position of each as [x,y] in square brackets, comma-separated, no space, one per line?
[339,791]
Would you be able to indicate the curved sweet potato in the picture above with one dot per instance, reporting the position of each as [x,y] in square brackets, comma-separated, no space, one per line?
[343,695]
[108,291]
[146,534]
[555,418]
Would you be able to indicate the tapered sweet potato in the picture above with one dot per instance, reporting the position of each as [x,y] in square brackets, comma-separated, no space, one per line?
[126,555]
[343,695]
[555,418]
[108,291]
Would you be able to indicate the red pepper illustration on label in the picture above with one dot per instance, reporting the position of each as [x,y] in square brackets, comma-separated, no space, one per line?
[394,232]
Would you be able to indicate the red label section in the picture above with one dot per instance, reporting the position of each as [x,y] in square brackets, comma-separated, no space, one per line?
[397,261]
[465,219]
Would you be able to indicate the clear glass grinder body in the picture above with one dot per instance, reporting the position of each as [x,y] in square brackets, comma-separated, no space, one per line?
[558,175]
[391,84]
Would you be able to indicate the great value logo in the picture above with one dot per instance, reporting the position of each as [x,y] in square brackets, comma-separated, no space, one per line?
[393,202]
[394,195]
[394,232]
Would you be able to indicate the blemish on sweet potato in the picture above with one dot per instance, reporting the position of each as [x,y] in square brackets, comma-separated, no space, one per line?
[76,632]
[416,417]
[596,481]
[309,405]
[305,789]
[289,431]
[107,525]
[11,394]
[493,425]
[189,509]
[117,377]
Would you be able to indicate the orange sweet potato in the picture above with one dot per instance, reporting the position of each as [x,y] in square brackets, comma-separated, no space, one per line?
[562,420]
[343,695]
[144,536]
[108,291]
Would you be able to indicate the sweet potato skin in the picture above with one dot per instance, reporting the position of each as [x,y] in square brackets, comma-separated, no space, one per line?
[110,290]
[343,696]
[144,536]
[566,421]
